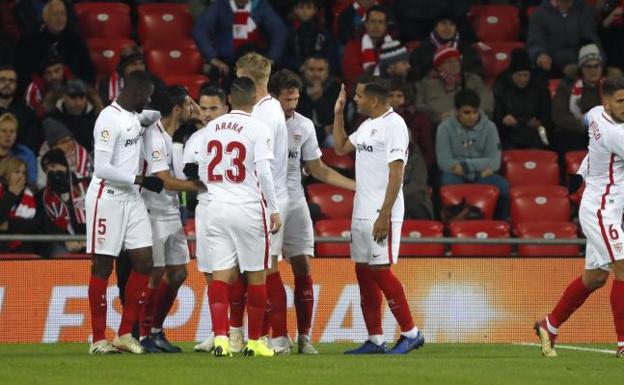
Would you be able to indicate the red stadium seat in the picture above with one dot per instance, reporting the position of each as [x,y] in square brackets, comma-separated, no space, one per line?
[192,82]
[105,53]
[164,21]
[421,229]
[483,196]
[18,257]
[341,162]
[333,228]
[539,204]
[174,61]
[335,202]
[496,56]
[547,230]
[104,19]
[495,23]
[480,229]
[573,160]
[526,167]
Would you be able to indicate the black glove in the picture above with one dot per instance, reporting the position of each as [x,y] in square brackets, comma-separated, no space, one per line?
[153,183]
[191,170]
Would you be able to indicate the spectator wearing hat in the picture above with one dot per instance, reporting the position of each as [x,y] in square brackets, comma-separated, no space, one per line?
[46,87]
[394,60]
[557,29]
[573,98]
[444,34]
[58,136]
[435,92]
[77,112]
[60,203]
[9,128]
[30,132]
[351,20]
[54,37]
[521,105]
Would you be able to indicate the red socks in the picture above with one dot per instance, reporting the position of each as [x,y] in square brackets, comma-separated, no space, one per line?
[277,300]
[218,293]
[370,299]
[97,304]
[395,295]
[135,296]
[304,303]
[237,303]
[146,318]
[617,307]
[573,297]
[165,297]
[256,303]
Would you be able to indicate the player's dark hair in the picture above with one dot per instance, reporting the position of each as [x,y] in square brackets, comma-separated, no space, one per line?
[376,8]
[209,89]
[284,80]
[378,88]
[242,92]
[612,85]
[165,99]
[467,97]
[138,80]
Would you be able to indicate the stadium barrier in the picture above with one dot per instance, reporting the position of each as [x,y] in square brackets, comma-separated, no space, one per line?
[453,299]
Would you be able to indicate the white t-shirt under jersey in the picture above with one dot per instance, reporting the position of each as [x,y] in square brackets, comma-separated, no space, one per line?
[269,111]
[157,155]
[302,145]
[118,131]
[378,142]
[230,146]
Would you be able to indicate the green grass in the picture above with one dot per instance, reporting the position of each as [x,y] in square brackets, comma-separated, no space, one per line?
[66,364]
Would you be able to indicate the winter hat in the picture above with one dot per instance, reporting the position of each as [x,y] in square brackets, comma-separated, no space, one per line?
[129,55]
[443,54]
[589,52]
[519,61]
[392,52]
[55,131]
[56,156]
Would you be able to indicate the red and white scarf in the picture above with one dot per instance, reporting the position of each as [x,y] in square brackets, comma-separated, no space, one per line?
[58,211]
[25,208]
[575,98]
[370,53]
[244,28]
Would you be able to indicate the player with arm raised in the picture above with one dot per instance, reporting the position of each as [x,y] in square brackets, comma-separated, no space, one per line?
[235,165]
[600,215]
[116,215]
[381,145]
[298,230]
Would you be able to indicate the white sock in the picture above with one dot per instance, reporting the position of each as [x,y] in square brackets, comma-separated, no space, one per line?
[155,330]
[411,333]
[551,328]
[377,339]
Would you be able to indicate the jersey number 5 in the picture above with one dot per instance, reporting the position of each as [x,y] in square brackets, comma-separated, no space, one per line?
[236,172]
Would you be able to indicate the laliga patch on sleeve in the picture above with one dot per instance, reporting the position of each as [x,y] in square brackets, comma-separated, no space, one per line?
[104,137]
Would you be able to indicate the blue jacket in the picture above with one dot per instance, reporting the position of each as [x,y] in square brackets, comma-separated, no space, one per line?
[213,30]
[24,153]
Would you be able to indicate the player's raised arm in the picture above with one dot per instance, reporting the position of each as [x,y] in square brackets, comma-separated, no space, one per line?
[342,145]
[326,174]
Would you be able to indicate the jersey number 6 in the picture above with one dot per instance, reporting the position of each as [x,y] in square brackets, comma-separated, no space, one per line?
[238,153]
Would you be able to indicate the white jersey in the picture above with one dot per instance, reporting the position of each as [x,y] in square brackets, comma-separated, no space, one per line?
[191,155]
[118,131]
[605,162]
[302,145]
[157,155]
[269,111]
[230,146]
[378,142]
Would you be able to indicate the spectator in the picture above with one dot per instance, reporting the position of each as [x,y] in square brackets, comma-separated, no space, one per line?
[9,127]
[46,87]
[59,137]
[556,32]
[435,92]
[17,205]
[362,54]
[318,97]
[574,97]
[468,149]
[611,32]
[444,34]
[401,99]
[394,60]
[30,132]
[54,38]
[76,112]
[307,36]
[522,105]
[229,28]
[61,203]
[351,20]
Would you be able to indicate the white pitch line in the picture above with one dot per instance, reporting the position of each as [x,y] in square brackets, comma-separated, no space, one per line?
[568,347]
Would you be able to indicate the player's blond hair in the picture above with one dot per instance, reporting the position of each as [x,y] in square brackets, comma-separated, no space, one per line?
[256,66]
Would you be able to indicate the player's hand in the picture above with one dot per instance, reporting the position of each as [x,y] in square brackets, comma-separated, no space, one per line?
[276,223]
[381,227]
[544,62]
[191,170]
[153,183]
[341,101]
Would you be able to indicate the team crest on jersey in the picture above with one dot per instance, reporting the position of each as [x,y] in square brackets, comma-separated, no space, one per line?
[297,138]
[156,155]
[104,136]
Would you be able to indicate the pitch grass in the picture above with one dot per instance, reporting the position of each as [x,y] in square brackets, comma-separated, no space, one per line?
[68,364]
